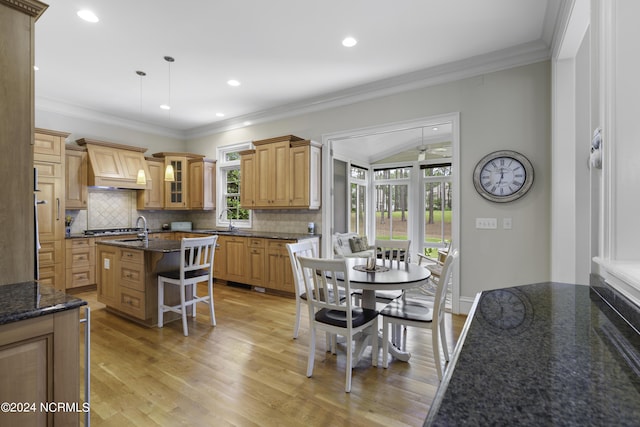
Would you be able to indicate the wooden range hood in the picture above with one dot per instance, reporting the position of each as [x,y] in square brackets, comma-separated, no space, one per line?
[115,165]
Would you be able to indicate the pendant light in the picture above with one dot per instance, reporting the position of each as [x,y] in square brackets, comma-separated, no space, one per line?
[167,105]
[169,174]
[141,178]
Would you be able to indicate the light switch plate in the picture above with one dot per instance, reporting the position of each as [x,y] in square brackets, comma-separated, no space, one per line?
[486,223]
[106,263]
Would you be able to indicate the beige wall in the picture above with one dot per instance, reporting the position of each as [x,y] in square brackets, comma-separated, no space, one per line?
[503,110]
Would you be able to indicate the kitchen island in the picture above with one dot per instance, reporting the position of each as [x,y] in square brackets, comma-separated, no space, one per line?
[544,354]
[127,269]
[39,354]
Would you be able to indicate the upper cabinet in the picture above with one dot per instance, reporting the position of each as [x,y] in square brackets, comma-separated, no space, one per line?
[48,145]
[114,165]
[202,184]
[281,173]
[176,192]
[75,177]
[153,196]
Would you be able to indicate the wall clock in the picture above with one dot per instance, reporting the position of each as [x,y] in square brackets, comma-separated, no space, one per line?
[503,176]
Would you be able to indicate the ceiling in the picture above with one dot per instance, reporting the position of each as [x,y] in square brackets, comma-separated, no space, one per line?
[287,54]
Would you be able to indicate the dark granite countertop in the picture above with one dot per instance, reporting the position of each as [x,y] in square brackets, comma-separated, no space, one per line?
[543,354]
[21,301]
[242,233]
[154,245]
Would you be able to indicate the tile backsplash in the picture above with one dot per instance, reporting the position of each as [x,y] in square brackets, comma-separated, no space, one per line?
[115,208]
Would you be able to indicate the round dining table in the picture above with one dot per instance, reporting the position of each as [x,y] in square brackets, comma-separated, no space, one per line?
[385,277]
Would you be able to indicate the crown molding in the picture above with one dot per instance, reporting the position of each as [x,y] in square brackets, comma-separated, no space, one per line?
[77,112]
[521,55]
[33,8]
[517,56]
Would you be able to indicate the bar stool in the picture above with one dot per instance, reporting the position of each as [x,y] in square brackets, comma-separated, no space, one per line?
[196,256]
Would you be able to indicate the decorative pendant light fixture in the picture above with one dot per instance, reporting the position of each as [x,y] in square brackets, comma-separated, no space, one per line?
[167,105]
[169,174]
[141,178]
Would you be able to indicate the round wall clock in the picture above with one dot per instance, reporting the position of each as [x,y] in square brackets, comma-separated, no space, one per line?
[503,176]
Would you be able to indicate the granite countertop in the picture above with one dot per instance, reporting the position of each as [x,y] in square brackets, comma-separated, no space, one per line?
[154,245]
[241,233]
[543,354]
[21,301]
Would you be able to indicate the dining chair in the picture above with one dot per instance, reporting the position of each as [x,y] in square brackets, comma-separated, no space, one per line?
[414,309]
[307,249]
[332,314]
[391,252]
[196,265]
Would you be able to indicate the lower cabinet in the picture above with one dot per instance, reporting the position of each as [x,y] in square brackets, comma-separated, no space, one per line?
[40,363]
[279,274]
[80,262]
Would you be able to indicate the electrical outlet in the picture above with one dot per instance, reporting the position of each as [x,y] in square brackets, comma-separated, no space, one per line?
[486,223]
[106,263]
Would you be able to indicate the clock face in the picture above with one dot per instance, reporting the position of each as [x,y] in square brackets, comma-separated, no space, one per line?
[503,176]
[506,310]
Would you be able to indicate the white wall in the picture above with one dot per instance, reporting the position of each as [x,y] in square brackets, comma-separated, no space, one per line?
[83,128]
[503,110]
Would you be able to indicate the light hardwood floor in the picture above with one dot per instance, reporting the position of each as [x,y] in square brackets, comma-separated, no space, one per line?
[248,371]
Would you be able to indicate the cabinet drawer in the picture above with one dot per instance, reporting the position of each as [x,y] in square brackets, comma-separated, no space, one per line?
[80,276]
[50,253]
[131,255]
[77,257]
[255,242]
[278,244]
[52,170]
[132,302]
[132,275]
[80,243]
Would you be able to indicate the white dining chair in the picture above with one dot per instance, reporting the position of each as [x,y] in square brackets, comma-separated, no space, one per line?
[417,310]
[196,265]
[323,279]
[307,249]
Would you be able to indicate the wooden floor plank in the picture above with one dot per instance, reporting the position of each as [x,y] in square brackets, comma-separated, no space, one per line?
[248,371]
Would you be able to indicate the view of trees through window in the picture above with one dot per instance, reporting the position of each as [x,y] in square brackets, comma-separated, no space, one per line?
[437,203]
[358,223]
[391,212]
[229,178]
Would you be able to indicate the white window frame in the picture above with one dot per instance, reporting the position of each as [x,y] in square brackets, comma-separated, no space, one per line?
[222,167]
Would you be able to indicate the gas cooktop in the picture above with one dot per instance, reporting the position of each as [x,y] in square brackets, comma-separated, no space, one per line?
[110,231]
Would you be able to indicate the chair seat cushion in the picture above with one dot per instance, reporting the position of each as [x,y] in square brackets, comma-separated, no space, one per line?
[409,309]
[359,316]
[175,274]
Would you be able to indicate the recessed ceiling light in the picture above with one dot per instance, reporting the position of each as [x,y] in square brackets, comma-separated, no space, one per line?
[247,123]
[88,16]
[35,68]
[233,82]
[434,129]
[219,114]
[165,107]
[349,42]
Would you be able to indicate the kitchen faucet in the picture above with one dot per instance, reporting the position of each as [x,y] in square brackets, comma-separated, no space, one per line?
[145,232]
[231,227]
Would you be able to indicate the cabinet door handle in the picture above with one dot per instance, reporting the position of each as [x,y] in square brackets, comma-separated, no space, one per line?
[58,209]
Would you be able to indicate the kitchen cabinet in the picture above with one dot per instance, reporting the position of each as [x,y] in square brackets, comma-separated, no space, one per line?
[80,261]
[49,145]
[107,275]
[272,173]
[152,197]
[17,28]
[202,184]
[281,173]
[131,277]
[49,161]
[247,179]
[39,362]
[306,176]
[75,193]
[176,193]
[257,261]
[235,258]
[279,274]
